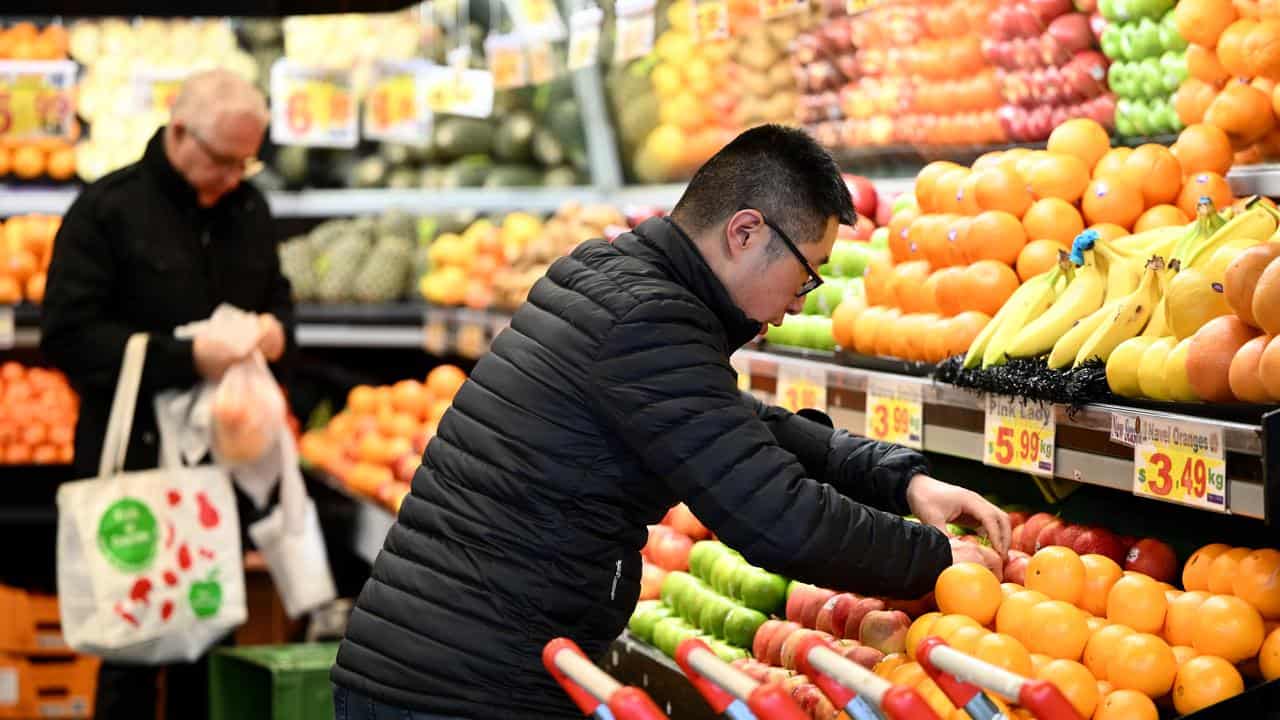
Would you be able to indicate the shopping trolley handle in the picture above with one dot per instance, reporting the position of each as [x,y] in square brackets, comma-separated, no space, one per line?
[727,688]
[860,692]
[590,687]
[963,678]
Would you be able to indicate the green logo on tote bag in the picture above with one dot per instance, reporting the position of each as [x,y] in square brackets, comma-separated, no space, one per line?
[127,535]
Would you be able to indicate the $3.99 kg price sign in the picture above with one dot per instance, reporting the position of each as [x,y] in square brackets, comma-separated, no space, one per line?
[801,386]
[1181,462]
[1019,435]
[312,106]
[36,99]
[895,413]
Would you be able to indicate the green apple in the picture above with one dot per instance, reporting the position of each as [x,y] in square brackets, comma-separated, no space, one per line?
[672,587]
[764,591]
[714,611]
[811,304]
[879,238]
[850,258]
[727,653]
[1108,9]
[1173,70]
[1141,117]
[1122,10]
[741,625]
[1150,78]
[721,569]
[1120,78]
[704,552]
[830,294]
[682,634]
[664,633]
[1124,118]
[1170,38]
[1146,38]
[692,598]
[903,201]
[1111,43]
[818,335]
[646,615]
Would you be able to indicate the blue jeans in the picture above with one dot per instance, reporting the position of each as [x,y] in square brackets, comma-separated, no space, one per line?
[351,705]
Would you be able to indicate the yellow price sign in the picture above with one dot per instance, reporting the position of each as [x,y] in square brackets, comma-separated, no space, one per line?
[36,99]
[508,67]
[710,20]
[393,101]
[312,107]
[1019,435]
[443,95]
[163,95]
[542,67]
[895,414]
[1181,462]
[802,386]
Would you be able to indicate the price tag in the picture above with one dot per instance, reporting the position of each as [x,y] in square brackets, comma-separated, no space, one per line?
[802,386]
[710,19]
[505,54]
[312,106]
[770,9]
[435,332]
[8,332]
[634,31]
[156,89]
[584,37]
[459,92]
[1124,429]
[895,413]
[1182,462]
[542,62]
[395,107]
[1019,435]
[37,99]
[537,19]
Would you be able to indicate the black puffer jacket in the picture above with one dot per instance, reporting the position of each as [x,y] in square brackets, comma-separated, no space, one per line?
[609,399]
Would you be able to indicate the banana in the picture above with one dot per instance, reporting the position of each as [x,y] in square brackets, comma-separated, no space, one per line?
[978,347]
[1250,227]
[1128,319]
[1159,241]
[1082,296]
[1068,346]
[1122,274]
[1034,304]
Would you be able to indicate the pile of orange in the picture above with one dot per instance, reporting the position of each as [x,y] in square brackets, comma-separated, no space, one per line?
[376,442]
[38,415]
[25,41]
[1233,65]
[52,158]
[976,233]
[26,246]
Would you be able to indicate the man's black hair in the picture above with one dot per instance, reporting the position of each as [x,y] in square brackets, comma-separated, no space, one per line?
[780,171]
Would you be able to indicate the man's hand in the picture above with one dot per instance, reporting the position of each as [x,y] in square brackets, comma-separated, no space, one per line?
[937,503]
[271,343]
[212,357]
[963,551]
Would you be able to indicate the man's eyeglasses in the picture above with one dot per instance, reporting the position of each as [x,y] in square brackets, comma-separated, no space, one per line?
[248,167]
[815,280]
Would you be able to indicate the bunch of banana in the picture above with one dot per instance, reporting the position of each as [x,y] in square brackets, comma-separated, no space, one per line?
[1032,299]
[1083,295]
[1126,318]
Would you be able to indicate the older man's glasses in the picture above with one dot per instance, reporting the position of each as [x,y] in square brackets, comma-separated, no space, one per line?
[247,167]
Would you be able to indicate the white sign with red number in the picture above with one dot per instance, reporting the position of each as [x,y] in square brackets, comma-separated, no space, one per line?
[37,98]
[156,89]
[312,106]
[802,386]
[395,106]
[1180,461]
[1019,435]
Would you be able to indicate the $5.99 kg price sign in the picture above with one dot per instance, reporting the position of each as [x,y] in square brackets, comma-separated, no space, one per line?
[1019,435]
[802,386]
[312,106]
[36,98]
[895,413]
[1181,462]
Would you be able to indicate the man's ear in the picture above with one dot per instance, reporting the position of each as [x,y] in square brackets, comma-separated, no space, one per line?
[743,232]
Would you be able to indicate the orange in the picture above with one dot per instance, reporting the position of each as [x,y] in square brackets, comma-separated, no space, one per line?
[1202,21]
[1009,589]
[1203,65]
[1011,618]
[362,400]
[1243,112]
[950,290]
[28,162]
[919,630]
[908,277]
[842,320]
[1142,662]
[969,589]
[1002,188]
[908,674]
[1082,138]
[1257,582]
[938,236]
[1181,618]
[927,178]
[1269,655]
[1026,162]
[1057,572]
[1126,705]
[1102,646]
[1192,100]
[1056,629]
[1139,602]
[1156,171]
[935,697]
[444,381]
[1075,682]
[409,396]
[967,194]
[1037,257]
[61,164]
[1228,627]
[437,410]
[1112,200]
[1058,176]
[899,233]
[1109,231]
[1038,662]
[965,638]
[1204,184]
[1111,163]
[1160,216]
[890,663]
[1195,574]
[1203,148]
[1094,623]
[875,280]
[1100,574]
[946,191]
[962,330]
[944,626]
[1205,681]
[1231,47]
[1223,570]
[1004,651]
[994,235]
[1053,219]
[1183,653]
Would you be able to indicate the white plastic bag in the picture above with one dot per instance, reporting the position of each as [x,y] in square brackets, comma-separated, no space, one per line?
[149,563]
[248,411]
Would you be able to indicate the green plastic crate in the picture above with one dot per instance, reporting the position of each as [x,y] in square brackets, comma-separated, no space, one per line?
[272,682]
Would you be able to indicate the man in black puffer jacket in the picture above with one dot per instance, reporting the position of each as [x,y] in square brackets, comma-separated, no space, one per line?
[609,399]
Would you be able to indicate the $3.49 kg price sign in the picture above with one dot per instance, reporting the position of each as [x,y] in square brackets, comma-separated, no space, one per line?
[395,107]
[36,99]
[802,386]
[1019,435]
[1181,462]
[312,106]
[895,413]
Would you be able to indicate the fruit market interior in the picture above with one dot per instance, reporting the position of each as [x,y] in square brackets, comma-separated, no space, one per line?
[253,262]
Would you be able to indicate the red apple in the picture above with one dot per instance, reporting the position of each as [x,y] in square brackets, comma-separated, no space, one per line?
[863,228]
[683,520]
[773,651]
[1072,32]
[913,608]
[1017,517]
[1048,535]
[1015,570]
[1152,557]
[670,550]
[764,633]
[1047,10]
[651,577]
[853,621]
[813,605]
[885,630]
[1015,540]
[1100,541]
[863,194]
[420,442]
[834,613]
[865,656]
[792,643]
[796,600]
[1031,529]
[1067,536]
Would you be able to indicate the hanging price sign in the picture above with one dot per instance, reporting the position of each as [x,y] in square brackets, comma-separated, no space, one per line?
[584,37]
[312,106]
[895,413]
[538,19]
[450,91]
[542,62]
[770,9]
[395,107]
[156,89]
[1019,435]
[37,99]
[505,54]
[634,30]
[710,19]
[802,386]
[1181,462]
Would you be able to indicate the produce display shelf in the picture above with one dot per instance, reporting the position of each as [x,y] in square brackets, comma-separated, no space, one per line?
[953,424]
[1263,179]
[372,521]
